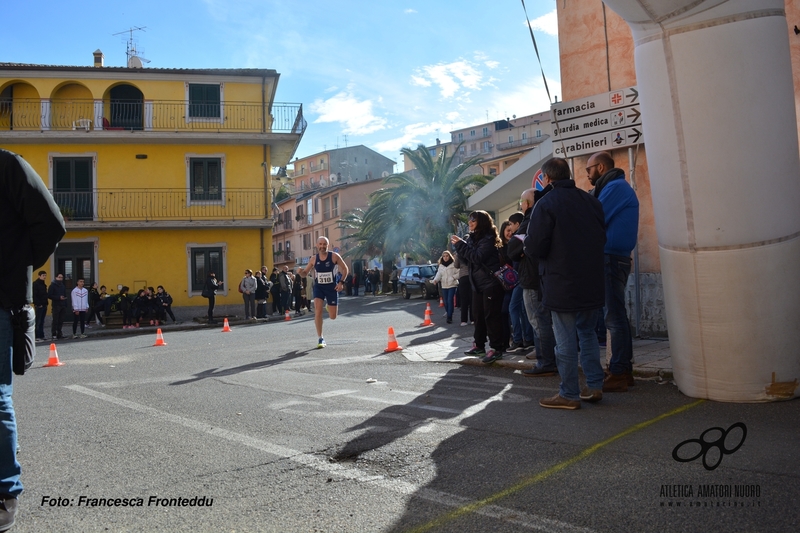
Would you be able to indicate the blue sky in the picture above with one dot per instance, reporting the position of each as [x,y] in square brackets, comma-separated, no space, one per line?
[386,74]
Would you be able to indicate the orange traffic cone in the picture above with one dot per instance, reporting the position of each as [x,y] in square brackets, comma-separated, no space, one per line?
[428,314]
[287,317]
[392,346]
[159,338]
[441,301]
[225,326]
[54,357]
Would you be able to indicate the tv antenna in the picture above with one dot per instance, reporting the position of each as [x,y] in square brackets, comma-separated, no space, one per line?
[134,59]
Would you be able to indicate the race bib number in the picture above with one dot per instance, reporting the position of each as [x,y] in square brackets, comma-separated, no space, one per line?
[324,277]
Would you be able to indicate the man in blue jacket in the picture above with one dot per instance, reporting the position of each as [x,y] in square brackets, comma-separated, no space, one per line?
[567,233]
[621,208]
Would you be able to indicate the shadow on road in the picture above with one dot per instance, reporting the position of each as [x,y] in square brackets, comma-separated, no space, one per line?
[215,373]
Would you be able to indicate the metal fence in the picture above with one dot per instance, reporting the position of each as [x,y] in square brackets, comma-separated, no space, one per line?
[150,115]
[129,205]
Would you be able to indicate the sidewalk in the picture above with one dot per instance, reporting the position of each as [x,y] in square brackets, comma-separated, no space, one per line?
[651,357]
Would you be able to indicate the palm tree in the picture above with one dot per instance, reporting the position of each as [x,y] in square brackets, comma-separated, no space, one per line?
[415,212]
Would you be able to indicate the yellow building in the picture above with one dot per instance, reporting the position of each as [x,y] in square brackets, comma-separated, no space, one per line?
[162,174]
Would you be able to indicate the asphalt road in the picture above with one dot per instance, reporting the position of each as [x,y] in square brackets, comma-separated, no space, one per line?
[256,430]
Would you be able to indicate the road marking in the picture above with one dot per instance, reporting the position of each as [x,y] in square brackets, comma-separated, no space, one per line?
[321,464]
[331,394]
[476,506]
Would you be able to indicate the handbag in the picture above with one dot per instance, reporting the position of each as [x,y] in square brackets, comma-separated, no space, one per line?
[24,349]
[507,276]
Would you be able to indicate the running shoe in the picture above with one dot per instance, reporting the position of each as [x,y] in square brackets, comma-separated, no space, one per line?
[321,343]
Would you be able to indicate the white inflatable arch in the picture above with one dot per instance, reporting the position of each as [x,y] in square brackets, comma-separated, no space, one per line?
[715,82]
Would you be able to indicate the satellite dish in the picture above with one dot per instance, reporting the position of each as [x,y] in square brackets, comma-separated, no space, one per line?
[135,62]
[332,177]
[384,174]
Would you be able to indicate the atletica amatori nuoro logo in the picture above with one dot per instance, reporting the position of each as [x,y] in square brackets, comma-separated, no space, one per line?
[682,451]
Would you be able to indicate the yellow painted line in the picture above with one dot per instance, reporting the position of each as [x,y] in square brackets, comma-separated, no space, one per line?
[549,472]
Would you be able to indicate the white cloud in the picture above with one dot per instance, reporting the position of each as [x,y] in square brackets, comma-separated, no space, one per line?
[356,117]
[547,23]
[413,135]
[449,77]
[491,64]
[409,11]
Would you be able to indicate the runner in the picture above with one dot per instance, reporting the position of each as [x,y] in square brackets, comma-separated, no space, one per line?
[329,271]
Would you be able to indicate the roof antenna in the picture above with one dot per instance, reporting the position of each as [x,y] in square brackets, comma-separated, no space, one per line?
[134,59]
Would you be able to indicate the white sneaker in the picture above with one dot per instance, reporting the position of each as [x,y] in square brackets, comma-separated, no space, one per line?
[463,323]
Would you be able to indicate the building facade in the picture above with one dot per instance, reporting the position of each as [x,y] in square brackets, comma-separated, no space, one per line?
[162,175]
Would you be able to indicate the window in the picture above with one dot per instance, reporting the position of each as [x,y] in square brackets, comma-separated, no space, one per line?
[538,133]
[472,133]
[511,138]
[493,171]
[326,233]
[460,137]
[485,131]
[205,179]
[524,135]
[306,241]
[205,100]
[72,186]
[485,146]
[335,206]
[206,259]
[316,205]
[461,150]
[432,151]
[326,208]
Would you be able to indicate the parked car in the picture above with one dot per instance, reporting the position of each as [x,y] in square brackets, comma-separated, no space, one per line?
[416,279]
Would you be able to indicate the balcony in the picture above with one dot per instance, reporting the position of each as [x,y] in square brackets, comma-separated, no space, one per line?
[303,221]
[283,255]
[530,141]
[131,208]
[33,114]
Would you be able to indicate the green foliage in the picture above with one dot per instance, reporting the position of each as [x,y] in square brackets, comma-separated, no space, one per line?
[282,194]
[414,214]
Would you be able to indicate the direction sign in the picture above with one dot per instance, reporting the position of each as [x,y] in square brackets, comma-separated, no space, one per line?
[594,104]
[599,122]
[590,144]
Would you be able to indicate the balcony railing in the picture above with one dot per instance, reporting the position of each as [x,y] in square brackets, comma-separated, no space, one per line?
[130,205]
[522,142]
[304,221]
[149,115]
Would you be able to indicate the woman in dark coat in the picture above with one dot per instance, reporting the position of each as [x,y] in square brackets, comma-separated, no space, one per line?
[261,295]
[481,251]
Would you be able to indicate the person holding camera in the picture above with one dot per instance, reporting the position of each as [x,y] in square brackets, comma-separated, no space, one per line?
[32,227]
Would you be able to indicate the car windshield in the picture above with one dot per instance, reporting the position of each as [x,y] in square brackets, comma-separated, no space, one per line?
[427,271]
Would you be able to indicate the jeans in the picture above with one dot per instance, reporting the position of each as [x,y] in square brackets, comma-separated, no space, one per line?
[9,467]
[521,328]
[542,324]
[211,301]
[41,313]
[565,326]
[249,304]
[286,298]
[447,296]
[617,270]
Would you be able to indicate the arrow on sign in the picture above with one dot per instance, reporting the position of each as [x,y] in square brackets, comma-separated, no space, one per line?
[634,94]
[637,134]
[635,116]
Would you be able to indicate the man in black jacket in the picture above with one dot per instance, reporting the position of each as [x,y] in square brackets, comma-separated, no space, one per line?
[40,303]
[32,226]
[57,293]
[567,231]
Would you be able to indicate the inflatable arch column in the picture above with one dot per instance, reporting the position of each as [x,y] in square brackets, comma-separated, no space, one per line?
[715,83]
